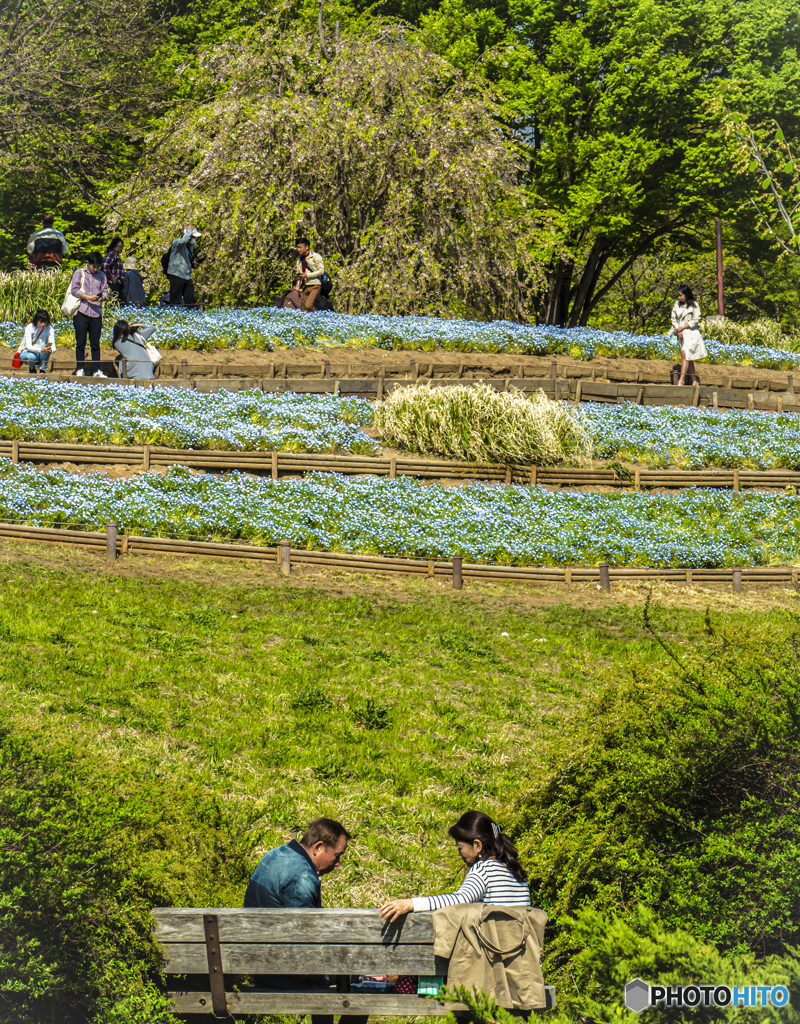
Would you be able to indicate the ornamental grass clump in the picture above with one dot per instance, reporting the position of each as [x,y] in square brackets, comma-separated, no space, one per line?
[475,423]
[763,333]
[22,292]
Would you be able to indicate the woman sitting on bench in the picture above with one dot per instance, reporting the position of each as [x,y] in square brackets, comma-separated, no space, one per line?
[495,874]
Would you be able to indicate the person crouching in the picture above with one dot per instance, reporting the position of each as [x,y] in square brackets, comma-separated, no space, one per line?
[129,340]
[38,342]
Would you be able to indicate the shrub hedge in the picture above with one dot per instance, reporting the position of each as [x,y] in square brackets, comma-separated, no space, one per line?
[85,851]
[678,794]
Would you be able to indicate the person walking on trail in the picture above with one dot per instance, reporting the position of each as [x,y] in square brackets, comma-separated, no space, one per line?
[90,286]
[308,274]
[133,293]
[289,876]
[180,266]
[495,874]
[685,324]
[47,247]
[113,269]
[38,342]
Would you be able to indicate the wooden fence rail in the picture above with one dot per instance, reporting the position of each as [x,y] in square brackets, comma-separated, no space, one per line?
[764,394]
[134,544]
[278,464]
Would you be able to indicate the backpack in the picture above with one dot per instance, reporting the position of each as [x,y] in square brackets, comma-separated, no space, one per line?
[326,284]
[165,259]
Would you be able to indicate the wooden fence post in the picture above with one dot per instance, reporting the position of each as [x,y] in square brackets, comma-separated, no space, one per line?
[737,581]
[457,564]
[286,558]
[111,543]
[605,581]
[15,451]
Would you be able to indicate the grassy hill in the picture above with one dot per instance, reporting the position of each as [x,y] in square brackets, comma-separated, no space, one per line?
[203,712]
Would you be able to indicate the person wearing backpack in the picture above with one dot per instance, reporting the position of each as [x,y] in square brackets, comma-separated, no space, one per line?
[178,264]
[308,274]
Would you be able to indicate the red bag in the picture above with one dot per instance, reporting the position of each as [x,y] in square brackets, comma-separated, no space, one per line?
[16,362]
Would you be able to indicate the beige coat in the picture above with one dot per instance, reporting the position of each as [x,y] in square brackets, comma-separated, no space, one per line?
[688,317]
[496,948]
[315,268]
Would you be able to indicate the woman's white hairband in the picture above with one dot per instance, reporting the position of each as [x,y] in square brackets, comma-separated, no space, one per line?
[496,829]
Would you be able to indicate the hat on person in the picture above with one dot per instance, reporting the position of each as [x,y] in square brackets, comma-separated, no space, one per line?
[130,263]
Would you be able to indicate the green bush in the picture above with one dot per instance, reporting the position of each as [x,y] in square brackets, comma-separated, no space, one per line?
[609,951]
[680,791]
[85,852]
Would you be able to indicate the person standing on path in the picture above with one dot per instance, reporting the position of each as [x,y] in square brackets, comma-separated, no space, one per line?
[180,266]
[46,247]
[289,876]
[134,292]
[113,269]
[90,286]
[685,324]
[308,273]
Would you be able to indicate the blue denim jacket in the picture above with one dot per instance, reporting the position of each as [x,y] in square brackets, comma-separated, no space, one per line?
[284,877]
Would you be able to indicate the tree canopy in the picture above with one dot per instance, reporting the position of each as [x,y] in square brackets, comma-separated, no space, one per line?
[606,122]
[393,163]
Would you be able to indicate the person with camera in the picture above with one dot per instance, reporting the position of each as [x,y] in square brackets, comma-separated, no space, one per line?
[182,262]
[308,274]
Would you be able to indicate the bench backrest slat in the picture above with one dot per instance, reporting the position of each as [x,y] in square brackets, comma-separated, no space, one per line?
[174,924]
[307,958]
[332,941]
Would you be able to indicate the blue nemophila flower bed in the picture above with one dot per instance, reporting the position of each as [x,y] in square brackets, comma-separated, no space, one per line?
[488,523]
[662,436]
[268,329]
[41,410]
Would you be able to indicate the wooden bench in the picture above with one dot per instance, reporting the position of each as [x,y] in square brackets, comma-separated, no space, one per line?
[333,942]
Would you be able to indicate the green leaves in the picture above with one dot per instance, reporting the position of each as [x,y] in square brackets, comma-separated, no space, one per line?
[681,795]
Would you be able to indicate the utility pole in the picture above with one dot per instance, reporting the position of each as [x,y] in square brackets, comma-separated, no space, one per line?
[720,294]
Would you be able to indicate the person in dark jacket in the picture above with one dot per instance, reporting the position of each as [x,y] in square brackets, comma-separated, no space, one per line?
[46,247]
[289,876]
[134,293]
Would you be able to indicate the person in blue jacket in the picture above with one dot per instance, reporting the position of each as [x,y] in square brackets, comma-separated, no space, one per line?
[289,876]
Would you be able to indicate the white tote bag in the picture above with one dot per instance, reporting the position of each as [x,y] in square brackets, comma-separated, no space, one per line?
[71,305]
[152,351]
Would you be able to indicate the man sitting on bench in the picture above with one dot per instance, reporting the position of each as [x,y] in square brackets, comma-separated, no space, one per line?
[289,876]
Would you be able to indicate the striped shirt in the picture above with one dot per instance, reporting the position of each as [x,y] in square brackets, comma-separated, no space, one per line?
[487,881]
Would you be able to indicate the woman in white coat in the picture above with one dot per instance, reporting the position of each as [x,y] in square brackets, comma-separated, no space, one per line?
[685,324]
